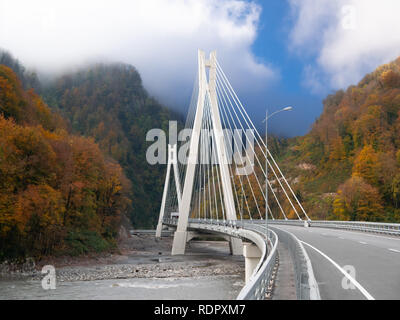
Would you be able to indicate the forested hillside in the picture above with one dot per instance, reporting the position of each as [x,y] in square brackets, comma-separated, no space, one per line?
[58,193]
[109,103]
[348,166]
[72,160]
[29,79]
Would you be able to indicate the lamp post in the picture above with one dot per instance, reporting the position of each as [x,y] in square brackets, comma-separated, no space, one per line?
[266,161]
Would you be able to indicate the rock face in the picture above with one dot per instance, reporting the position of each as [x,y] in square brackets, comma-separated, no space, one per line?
[306,166]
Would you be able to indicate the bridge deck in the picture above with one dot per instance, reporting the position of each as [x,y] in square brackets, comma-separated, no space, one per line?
[374,258]
[285,287]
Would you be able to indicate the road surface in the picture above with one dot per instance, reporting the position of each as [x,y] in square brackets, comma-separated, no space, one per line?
[372,262]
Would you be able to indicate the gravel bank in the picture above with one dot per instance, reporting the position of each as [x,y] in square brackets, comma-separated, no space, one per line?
[139,257]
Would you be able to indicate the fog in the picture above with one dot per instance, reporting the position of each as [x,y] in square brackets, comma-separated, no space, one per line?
[160,38]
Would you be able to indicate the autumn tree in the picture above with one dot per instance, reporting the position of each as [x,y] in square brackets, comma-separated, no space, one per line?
[390,79]
[357,135]
[358,201]
[365,165]
[108,102]
[395,188]
[58,192]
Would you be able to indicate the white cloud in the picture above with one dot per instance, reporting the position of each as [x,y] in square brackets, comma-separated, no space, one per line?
[349,38]
[159,37]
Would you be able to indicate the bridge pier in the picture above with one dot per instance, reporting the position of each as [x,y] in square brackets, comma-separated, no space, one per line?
[158,230]
[183,237]
[179,244]
[192,234]
[252,256]
[235,246]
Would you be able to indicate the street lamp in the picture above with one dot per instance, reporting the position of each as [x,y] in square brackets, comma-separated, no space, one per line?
[266,161]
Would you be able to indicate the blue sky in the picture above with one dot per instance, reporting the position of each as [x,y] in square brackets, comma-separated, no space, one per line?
[275,52]
[293,36]
[271,46]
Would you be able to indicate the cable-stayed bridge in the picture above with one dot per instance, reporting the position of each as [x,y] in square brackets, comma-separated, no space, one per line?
[221,178]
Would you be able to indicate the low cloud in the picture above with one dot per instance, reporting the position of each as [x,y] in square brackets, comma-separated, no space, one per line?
[158,37]
[345,38]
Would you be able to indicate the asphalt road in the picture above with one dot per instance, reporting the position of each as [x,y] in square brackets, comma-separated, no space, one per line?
[372,261]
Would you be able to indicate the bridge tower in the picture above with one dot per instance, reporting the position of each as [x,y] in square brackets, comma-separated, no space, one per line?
[172,161]
[207,88]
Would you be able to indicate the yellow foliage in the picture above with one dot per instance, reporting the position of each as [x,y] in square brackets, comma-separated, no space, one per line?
[365,165]
[358,201]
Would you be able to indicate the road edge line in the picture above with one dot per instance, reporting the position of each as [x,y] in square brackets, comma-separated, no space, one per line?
[312,282]
[354,281]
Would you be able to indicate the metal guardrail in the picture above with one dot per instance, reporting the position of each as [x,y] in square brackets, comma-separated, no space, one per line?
[306,285]
[299,223]
[374,227]
[149,231]
[254,230]
[259,281]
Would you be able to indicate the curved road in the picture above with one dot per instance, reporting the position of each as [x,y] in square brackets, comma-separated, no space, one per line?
[371,261]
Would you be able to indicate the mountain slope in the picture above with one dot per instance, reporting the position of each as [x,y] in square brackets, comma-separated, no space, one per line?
[58,194]
[348,166]
[28,79]
[109,103]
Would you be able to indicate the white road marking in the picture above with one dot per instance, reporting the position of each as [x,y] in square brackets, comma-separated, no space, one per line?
[354,232]
[362,242]
[370,235]
[394,250]
[354,281]
[341,238]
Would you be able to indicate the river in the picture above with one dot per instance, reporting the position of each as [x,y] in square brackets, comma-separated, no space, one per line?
[207,271]
[209,287]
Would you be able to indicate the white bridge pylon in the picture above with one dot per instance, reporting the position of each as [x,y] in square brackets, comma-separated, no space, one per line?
[206,94]
[172,161]
[215,186]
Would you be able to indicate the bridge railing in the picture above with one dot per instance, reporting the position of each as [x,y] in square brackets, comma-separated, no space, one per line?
[306,285]
[255,230]
[278,221]
[374,227]
[261,280]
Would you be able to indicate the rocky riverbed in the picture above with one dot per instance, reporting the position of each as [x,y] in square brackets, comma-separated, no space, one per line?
[141,262]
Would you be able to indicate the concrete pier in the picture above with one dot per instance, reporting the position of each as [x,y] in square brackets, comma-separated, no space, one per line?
[252,256]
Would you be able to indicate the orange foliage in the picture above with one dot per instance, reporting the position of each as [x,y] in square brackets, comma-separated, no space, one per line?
[51,183]
[357,200]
